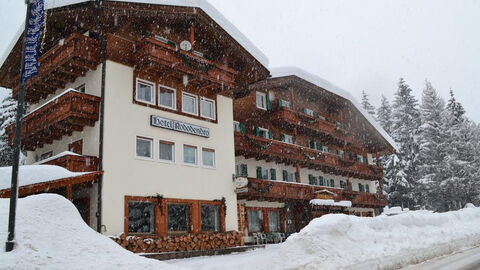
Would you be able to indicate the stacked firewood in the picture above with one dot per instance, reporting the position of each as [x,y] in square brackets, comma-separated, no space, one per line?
[188,242]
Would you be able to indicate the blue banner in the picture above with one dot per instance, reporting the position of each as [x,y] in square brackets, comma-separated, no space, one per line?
[35,21]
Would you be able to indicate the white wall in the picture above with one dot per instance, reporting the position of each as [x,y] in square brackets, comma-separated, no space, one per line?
[127,175]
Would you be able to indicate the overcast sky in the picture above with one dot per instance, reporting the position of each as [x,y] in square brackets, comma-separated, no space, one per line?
[358,45]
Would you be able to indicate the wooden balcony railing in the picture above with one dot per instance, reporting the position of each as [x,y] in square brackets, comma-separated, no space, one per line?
[268,190]
[62,64]
[76,163]
[271,150]
[288,117]
[154,55]
[64,114]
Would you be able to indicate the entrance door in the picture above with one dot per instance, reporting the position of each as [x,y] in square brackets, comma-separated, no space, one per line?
[76,147]
[83,207]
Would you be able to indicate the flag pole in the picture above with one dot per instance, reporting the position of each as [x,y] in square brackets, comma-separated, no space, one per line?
[10,244]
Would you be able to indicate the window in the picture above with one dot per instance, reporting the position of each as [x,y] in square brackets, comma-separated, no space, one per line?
[208,157]
[190,154]
[263,132]
[283,103]
[141,217]
[236,126]
[207,108]
[178,218]
[367,188]
[189,103]
[325,149]
[312,180]
[332,183]
[166,151]
[359,158]
[167,97]
[361,187]
[80,88]
[343,185]
[210,218]
[261,100]
[289,176]
[286,138]
[340,153]
[273,221]
[241,170]
[262,173]
[309,112]
[46,155]
[144,147]
[321,181]
[255,220]
[144,92]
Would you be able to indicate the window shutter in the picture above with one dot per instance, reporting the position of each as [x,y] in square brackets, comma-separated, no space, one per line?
[367,188]
[259,172]
[320,181]
[315,114]
[296,177]
[285,175]
[242,127]
[348,155]
[360,187]
[310,179]
[312,144]
[282,137]
[280,103]
[273,174]
[257,131]
[269,102]
[244,169]
[350,186]
[304,110]
[293,139]
[319,146]
[270,134]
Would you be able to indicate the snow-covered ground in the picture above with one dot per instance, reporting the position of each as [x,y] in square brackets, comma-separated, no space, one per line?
[52,235]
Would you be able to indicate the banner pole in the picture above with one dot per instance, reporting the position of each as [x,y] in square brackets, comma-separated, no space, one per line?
[10,244]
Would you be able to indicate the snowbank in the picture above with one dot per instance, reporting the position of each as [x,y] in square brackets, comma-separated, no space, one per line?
[331,203]
[340,241]
[52,235]
[33,174]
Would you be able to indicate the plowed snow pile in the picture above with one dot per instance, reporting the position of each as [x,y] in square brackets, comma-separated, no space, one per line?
[51,235]
[341,241]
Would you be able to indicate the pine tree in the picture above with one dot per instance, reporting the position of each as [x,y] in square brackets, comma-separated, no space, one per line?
[8,111]
[366,104]
[405,125]
[432,144]
[384,115]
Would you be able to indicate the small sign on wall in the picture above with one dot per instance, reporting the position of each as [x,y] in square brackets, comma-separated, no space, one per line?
[161,122]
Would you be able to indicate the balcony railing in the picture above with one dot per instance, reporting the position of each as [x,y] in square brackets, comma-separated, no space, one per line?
[76,163]
[288,117]
[71,111]
[269,190]
[271,150]
[62,64]
[153,55]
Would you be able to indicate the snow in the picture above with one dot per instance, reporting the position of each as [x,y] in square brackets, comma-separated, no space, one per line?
[50,234]
[396,210]
[33,174]
[338,241]
[62,154]
[331,203]
[202,4]
[314,79]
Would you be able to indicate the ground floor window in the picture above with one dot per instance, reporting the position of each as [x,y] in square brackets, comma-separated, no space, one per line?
[210,218]
[274,221]
[178,218]
[141,217]
[255,221]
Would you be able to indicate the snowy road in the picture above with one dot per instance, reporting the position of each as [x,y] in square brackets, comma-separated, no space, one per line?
[464,260]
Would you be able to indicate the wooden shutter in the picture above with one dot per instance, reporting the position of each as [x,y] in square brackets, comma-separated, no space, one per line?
[312,144]
[319,146]
[257,131]
[367,188]
[282,137]
[242,127]
[273,174]
[259,172]
[320,180]
[285,175]
[332,183]
[269,102]
[244,169]
[270,134]
[296,177]
[315,114]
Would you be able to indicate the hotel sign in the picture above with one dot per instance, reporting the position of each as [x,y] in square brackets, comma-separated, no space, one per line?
[161,122]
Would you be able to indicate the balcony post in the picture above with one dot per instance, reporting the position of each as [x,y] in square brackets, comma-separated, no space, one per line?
[348,182]
[297,167]
[69,192]
[292,98]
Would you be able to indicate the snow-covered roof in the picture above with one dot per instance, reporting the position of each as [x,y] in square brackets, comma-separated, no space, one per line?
[62,154]
[331,203]
[202,4]
[34,174]
[314,79]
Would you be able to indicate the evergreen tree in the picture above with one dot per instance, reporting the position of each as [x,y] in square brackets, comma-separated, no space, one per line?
[405,126]
[8,111]
[384,115]
[366,104]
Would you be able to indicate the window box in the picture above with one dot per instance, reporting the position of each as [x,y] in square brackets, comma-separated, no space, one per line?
[189,103]
[207,108]
[167,97]
[144,147]
[145,91]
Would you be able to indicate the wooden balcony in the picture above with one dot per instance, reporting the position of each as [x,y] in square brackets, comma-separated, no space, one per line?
[157,57]
[267,190]
[270,150]
[75,163]
[62,64]
[286,117]
[64,114]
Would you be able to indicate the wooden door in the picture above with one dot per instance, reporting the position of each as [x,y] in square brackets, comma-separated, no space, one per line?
[76,147]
